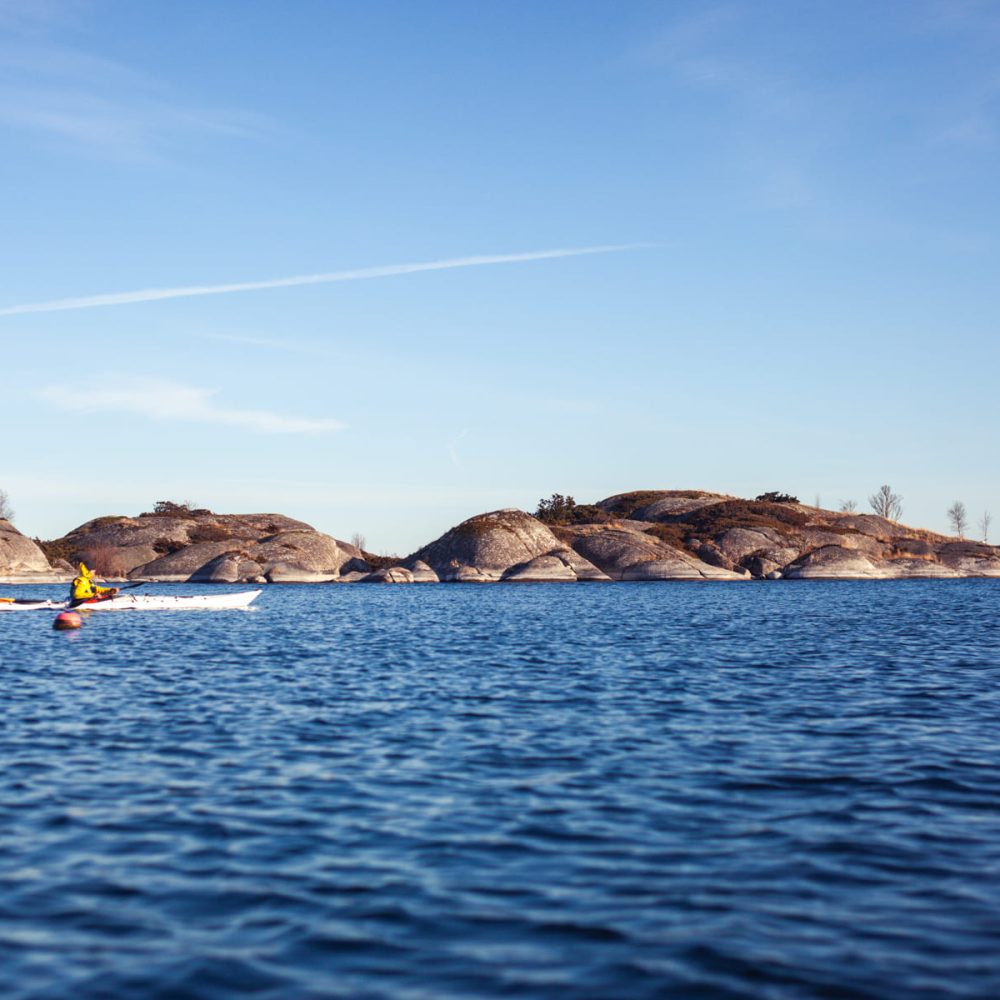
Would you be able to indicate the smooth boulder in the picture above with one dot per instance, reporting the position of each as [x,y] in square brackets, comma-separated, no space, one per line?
[19,555]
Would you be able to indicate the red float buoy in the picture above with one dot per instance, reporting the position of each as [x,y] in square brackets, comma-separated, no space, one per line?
[67,620]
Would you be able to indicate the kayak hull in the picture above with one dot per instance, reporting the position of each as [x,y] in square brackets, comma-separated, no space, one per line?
[145,602]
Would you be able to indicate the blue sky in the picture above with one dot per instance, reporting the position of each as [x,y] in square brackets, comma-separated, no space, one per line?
[807,301]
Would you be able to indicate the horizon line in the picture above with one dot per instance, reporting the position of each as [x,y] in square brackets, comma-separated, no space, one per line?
[357,274]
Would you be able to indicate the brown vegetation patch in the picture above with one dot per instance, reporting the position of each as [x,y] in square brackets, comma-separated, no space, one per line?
[58,548]
[107,521]
[626,504]
[104,560]
[165,546]
[913,548]
[381,562]
[564,534]
[832,527]
[706,522]
[897,556]
[211,532]
[483,524]
[670,534]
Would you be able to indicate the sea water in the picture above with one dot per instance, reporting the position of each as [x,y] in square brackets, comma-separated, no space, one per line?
[607,790]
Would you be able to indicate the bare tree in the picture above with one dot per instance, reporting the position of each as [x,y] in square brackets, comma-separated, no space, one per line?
[848,506]
[984,525]
[6,511]
[887,504]
[359,541]
[958,517]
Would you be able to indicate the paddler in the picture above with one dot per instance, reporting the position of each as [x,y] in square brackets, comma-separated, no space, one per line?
[83,590]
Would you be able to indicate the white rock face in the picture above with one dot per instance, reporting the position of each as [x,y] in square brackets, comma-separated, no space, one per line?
[915,569]
[679,569]
[542,569]
[460,573]
[390,574]
[422,573]
[19,555]
[293,573]
[833,563]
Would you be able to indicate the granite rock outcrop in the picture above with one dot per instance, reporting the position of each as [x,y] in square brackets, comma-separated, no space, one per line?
[19,555]
[645,535]
[764,539]
[505,545]
[182,544]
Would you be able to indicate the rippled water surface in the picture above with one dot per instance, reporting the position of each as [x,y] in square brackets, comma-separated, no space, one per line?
[628,790]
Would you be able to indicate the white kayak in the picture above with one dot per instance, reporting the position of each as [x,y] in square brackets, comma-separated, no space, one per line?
[142,602]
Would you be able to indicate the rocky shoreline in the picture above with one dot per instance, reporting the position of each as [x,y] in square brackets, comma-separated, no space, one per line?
[637,536]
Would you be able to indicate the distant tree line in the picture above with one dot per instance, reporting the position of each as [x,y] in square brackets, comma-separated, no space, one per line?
[776,497]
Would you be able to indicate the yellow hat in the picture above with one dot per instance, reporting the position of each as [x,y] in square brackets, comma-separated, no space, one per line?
[89,574]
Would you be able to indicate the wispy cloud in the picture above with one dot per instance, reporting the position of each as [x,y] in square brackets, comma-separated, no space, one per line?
[774,123]
[705,51]
[157,294]
[161,400]
[91,103]
[28,16]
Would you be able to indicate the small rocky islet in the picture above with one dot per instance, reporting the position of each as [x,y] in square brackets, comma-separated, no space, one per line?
[638,536]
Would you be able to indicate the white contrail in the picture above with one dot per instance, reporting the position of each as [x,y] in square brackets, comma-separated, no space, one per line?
[155,294]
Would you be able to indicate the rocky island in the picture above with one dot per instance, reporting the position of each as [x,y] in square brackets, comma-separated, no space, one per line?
[638,536]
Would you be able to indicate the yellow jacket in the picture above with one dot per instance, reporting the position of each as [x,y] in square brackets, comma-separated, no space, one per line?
[83,587]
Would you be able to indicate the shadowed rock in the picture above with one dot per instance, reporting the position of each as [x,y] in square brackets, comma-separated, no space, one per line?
[625,554]
[233,567]
[970,558]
